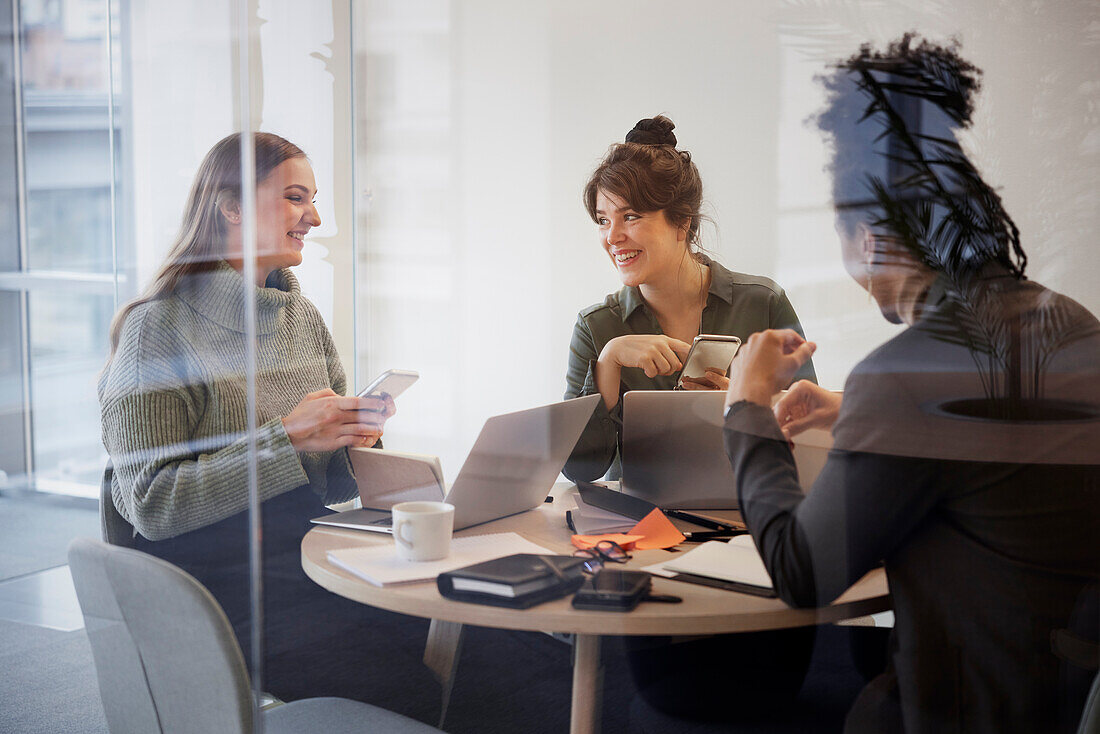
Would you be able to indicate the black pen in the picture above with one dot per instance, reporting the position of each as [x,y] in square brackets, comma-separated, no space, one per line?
[700,520]
[714,534]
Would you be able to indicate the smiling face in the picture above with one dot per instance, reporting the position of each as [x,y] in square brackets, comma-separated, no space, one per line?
[643,246]
[284,215]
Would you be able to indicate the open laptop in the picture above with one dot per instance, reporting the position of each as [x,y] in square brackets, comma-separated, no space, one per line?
[510,469]
[674,454]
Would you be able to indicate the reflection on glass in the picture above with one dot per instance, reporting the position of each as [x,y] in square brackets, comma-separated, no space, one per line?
[68,337]
[64,45]
[966,448]
[175,405]
[62,263]
[69,229]
[67,151]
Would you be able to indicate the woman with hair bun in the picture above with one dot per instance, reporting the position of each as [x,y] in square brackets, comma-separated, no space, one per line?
[645,198]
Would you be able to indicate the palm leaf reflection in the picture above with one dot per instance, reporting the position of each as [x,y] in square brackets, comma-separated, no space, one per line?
[934,205]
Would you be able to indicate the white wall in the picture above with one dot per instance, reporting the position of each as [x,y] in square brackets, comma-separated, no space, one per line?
[529,96]
[479,122]
[182,96]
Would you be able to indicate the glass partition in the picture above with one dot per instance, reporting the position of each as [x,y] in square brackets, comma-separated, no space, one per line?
[478,124]
[411,195]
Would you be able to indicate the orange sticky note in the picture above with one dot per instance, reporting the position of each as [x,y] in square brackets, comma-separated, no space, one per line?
[626,542]
[658,530]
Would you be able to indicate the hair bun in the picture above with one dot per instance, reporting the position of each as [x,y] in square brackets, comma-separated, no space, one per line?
[653,131]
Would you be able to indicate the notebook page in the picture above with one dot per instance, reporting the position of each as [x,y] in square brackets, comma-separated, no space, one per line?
[735,560]
[381,566]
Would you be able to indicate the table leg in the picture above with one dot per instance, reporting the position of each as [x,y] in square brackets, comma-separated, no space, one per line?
[441,656]
[584,717]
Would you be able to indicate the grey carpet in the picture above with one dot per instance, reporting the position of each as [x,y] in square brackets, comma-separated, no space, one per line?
[36,531]
[48,683]
[507,681]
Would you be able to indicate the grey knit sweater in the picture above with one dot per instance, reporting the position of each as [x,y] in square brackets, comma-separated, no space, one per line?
[174,408]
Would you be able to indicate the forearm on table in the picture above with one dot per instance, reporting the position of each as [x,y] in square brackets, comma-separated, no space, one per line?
[861,508]
[598,444]
[596,448]
[608,381]
[769,494]
[171,489]
[340,479]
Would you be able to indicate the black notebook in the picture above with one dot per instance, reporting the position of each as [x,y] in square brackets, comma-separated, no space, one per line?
[520,580]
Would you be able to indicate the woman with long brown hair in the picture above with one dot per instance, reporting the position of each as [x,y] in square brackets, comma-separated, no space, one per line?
[174,401]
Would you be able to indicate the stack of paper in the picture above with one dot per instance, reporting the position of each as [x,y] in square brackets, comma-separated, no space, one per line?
[736,560]
[381,566]
[591,520]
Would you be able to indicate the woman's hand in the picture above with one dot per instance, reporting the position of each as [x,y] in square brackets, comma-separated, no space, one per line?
[807,405]
[654,354]
[711,379]
[325,421]
[767,363]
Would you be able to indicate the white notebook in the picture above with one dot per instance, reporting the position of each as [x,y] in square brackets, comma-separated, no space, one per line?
[734,560]
[381,566]
[591,520]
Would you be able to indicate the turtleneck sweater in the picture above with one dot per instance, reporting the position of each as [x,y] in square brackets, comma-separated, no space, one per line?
[174,406]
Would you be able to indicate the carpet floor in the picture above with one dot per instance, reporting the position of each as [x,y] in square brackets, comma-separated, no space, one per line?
[507,682]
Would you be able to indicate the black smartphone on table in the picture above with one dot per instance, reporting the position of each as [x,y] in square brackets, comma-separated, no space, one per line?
[613,590]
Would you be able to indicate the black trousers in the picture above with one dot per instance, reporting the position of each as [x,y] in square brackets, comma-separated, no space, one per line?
[753,673]
[315,643]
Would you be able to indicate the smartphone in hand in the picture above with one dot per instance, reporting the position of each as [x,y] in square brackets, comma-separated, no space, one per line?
[390,382]
[715,351]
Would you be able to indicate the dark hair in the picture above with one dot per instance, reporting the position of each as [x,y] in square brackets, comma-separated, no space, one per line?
[201,238]
[650,174]
[891,117]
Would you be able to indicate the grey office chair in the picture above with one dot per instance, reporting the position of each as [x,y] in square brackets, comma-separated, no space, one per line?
[167,661]
[1090,718]
[112,525]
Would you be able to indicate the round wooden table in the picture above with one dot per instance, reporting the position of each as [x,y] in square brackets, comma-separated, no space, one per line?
[704,610]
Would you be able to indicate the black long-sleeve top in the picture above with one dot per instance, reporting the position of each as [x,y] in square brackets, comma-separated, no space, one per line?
[988,530]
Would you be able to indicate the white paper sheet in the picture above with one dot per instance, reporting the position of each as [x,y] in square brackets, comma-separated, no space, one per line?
[733,560]
[381,566]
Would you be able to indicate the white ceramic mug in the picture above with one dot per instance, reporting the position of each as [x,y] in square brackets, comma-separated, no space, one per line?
[422,530]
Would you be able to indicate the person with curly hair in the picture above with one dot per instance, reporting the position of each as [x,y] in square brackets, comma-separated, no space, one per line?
[645,200]
[966,448]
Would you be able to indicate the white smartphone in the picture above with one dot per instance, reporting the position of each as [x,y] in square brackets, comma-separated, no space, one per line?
[390,382]
[715,351]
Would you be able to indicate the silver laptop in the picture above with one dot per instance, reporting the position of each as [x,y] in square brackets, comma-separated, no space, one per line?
[510,469]
[674,453]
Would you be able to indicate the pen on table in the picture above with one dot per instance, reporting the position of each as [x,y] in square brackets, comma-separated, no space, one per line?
[713,534]
[704,521]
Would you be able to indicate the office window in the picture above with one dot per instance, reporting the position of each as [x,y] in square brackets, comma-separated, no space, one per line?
[58,275]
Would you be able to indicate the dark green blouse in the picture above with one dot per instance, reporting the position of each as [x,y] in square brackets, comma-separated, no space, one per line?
[737,305]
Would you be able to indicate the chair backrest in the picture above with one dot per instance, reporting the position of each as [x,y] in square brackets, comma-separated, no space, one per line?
[112,525]
[165,655]
[1090,718]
